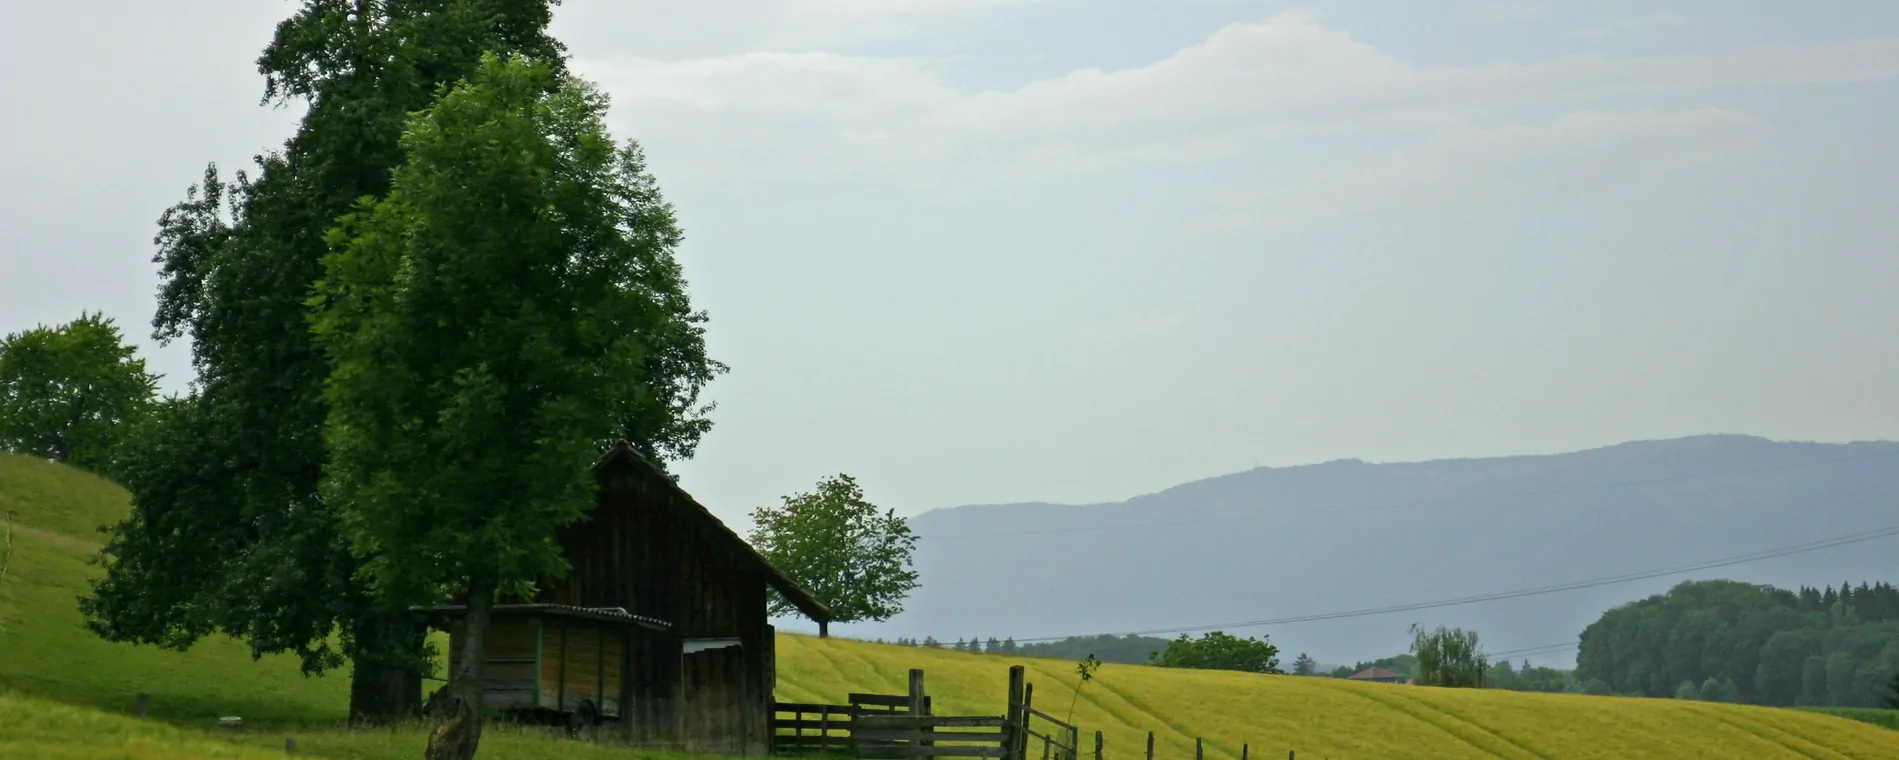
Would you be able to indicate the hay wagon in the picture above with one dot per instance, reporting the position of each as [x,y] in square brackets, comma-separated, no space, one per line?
[549,663]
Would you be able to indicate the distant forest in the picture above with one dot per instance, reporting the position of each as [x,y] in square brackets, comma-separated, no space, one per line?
[1747,643]
[1717,640]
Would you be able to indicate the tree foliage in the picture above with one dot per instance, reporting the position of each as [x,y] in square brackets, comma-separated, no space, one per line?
[853,558]
[1448,657]
[68,392]
[1502,675]
[1220,651]
[488,325]
[1130,649]
[1811,647]
[238,539]
[1303,665]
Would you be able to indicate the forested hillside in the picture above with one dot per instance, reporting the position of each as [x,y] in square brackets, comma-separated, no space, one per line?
[1836,647]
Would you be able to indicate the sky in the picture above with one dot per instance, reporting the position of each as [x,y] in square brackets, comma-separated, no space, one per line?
[975,251]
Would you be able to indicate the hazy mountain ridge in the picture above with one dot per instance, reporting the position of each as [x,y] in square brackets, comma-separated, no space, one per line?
[1347,535]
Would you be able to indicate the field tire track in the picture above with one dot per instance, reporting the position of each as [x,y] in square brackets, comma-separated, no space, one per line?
[1475,725]
[1403,707]
[1761,732]
[1152,716]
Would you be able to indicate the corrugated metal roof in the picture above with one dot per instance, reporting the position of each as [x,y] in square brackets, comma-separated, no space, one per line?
[611,614]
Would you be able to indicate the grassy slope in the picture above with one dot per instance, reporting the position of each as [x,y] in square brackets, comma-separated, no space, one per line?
[48,652]
[38,728]
[45,653]
[1877,717]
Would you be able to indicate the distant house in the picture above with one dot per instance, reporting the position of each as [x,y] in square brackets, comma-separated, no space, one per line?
[659,631]
[1378,675]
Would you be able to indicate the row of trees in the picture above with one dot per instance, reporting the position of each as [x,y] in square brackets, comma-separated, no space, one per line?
[975,646]
[1756,644]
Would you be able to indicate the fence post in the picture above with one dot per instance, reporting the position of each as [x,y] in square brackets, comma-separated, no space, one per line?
[1015,721]
[919,707]
[1243,750]
[1028,717]
[1150,745]
[1097,745]
[141,704]
[1198,753]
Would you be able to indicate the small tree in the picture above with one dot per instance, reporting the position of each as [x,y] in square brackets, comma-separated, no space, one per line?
[1892,700]
[1220,651]
[68,393]
[932,643]
[1686,690]
[1448,657]
[1304,665]
[852,558]
[992,646]
[1085,671]
[1009,646]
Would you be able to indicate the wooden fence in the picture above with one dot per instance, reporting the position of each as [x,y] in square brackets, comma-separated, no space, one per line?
[904,726]
[895,726]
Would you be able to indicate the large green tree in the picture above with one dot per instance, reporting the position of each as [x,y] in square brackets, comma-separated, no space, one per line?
[851,556]
[1220,651]
[69,392]
[230,532]
[1448,657]
[489,325]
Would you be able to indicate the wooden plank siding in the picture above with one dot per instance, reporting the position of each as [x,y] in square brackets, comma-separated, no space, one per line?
[581,661]
[650,550]
[508,674]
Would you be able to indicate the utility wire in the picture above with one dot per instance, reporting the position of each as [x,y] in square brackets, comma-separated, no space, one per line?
[1409,504]
[1545,649]
[1811,546]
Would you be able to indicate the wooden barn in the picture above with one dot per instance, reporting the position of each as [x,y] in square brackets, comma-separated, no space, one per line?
[658,630]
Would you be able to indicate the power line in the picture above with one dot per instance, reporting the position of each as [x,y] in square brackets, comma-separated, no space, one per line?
[1409,504]
[1545,649]
[1811,546]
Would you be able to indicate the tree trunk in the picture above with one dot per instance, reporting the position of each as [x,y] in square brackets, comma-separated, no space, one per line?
[386,675]
[457,736]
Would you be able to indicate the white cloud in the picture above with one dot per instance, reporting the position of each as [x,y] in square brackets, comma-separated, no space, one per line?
[1633,23]
[1507,11]
[895,7]
[1574,153]
[1287,74]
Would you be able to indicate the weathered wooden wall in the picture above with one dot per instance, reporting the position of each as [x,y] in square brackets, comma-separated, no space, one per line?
[511,641]
[652,551]
[582,661]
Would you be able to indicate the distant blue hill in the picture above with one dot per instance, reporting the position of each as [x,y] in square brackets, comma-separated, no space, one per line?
[1347,535]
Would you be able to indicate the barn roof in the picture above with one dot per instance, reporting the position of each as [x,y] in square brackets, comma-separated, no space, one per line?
[1374,674]
[623,455]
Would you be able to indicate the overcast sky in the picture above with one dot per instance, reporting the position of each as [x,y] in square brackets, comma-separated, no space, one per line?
[1002,250]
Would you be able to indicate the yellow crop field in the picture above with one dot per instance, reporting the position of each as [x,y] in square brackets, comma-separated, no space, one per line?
[1324,717]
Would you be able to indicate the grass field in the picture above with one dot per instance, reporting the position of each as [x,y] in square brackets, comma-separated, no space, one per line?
[63,692]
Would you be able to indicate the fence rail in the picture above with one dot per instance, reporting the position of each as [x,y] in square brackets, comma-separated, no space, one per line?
[905,727]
